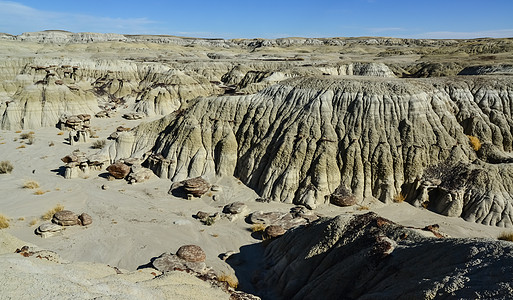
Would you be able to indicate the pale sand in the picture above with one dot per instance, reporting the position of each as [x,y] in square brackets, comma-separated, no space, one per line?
[134,223]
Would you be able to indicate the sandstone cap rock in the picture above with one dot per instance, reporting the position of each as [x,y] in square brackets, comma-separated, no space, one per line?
[192,253]
[65,218]
[118,170]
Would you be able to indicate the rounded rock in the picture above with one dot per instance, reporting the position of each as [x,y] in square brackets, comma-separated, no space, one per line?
[65,218]
[85,219]
[273,231]
[191,253]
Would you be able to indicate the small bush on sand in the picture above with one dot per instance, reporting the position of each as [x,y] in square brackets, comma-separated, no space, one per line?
[99,144]
[41,192]
[60,133]
[31,184]
[26,136]
[49,214]
[209,221]
[398,198]
[33,222]
[258,227]
[506,236]
[4,222]
[475,143]
[5,167]
[230,279]
[20,147]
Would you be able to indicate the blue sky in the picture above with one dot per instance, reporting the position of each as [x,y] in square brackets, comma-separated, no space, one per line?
[264,18]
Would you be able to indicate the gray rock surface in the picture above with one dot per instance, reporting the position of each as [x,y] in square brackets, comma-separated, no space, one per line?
[368,257]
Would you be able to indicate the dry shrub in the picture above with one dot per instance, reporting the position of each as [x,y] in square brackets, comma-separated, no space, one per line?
[51,144]
[99,144]
[258,227]
[25,136]
[398,198]
[49,214]
[31,184]
[60,133]
[4,222]
[230,279]
[21,219]
[20,147]
[475,143]
[506,236]
[18,131]
[363,207]
[5,167]
[33,222]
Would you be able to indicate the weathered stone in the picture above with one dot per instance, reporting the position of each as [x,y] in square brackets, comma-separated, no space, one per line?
[118,170]
[342,197]
[201,215]
[65,218]
[191,253]
[139,174]
[85,219]
[273,231]
[170,262]
[216,188]
[196,186]
[235,208]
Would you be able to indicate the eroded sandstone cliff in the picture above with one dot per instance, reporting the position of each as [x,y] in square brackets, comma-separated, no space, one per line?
[299,140]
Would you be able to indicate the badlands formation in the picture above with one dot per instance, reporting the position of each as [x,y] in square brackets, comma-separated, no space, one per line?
[164,141]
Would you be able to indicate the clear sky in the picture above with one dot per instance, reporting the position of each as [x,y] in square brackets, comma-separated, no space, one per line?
[265,18]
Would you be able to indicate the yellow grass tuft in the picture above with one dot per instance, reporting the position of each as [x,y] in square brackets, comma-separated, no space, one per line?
[230,279]
[258,227]
[398,198]
[21,219]
[31,184]
[20,147]
[49,214]
[363,207]
[60,133]
[40,192]
[18,131]
[33,222]
[475,143]
[506,236]
[4,222]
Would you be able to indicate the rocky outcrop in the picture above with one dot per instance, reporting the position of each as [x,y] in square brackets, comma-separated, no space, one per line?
[298,141]
[369,257]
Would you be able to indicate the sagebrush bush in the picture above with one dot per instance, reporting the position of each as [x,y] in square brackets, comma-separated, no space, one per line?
[398,198]
[4,222]
[99,144]
[5,167]
[230,279]
[31,184]
[475,143]
[506,236]
[258,227]
[49,214]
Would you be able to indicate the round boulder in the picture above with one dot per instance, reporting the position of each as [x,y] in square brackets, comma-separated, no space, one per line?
[118,170]
[65,218]
[273,231]
[191,253]
[85,219]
